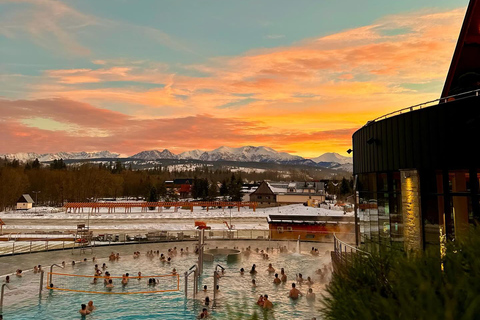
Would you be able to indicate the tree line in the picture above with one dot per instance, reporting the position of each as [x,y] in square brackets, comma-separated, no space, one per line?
[58,183]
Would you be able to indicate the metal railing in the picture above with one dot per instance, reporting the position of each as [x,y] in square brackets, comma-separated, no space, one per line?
[193,269]
[1,296]
[33,246]
[344,253]
[455,97]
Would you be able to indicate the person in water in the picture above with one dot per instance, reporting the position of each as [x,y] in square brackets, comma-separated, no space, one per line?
[294,292]
[277,279]
[83,311]
[267,304]
[204,314]
[90,306]
[310,295]
[253,271]
[283,275]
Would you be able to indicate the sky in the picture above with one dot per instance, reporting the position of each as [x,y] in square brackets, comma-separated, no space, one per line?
[297,76]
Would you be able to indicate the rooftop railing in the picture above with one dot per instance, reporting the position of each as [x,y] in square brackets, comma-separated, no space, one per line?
[455,97]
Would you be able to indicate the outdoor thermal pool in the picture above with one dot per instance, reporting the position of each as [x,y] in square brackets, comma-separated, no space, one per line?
[235,298]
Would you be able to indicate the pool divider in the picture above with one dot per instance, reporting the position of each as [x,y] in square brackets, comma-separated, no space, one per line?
[51,286]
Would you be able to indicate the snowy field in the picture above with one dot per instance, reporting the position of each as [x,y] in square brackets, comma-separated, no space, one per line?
[47,219]
[198,213]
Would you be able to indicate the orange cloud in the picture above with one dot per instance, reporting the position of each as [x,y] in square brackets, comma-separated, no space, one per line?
[300,97]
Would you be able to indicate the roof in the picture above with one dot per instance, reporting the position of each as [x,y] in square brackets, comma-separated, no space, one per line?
[465,58]
[307,219]
[26,198]
[183,181]
[263,188]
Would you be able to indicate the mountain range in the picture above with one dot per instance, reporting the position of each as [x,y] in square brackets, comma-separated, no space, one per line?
[241,154]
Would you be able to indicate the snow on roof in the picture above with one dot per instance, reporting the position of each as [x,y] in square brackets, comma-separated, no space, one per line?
[276,189]
[26,198]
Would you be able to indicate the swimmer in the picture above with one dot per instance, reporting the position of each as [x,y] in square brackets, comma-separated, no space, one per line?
[277,279]
[139,275]
[300,278]
[283,275]
[7,279]
[110,284]
[270,269]
[18,273]
[90,306]
[63,264]
[242,271]
[84,310]
[207,301]
[267,304]
[73,263]
[95,280]
[204,314]
[40,268]
[174,271]
[204,288]
[84,259]
[310,295]
[217,288]
[253,271]
[124,280]
[309,281]
[35,269]
[294,292]
[260,301]
[104,266]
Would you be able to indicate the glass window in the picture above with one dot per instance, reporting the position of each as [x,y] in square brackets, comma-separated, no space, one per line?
[459,181]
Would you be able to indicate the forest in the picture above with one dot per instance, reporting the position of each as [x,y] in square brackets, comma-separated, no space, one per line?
[56,183]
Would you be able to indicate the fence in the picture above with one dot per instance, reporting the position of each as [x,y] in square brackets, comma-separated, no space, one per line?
[14,246]
[344,253]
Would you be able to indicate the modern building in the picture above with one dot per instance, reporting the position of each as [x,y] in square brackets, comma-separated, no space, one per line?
[417,170]
[25,202]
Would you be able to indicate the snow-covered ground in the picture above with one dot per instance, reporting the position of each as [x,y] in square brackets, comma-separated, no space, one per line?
[198,212]
[47,219]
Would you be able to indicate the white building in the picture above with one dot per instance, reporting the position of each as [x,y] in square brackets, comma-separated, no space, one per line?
[25,202]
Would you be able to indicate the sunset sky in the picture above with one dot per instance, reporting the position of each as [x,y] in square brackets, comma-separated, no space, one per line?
[298,76]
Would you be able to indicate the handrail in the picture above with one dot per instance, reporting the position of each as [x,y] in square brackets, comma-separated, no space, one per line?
[458,96]
[193,269]
[1,295]
[339,243]
[51,272]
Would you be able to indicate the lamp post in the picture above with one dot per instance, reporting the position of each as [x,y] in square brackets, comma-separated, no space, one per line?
[36,199]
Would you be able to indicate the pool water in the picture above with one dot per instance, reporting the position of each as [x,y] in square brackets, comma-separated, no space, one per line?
[235,300]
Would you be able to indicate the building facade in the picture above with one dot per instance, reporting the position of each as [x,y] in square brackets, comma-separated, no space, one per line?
[417,171]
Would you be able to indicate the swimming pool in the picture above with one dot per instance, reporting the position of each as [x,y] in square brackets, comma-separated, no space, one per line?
[236,297]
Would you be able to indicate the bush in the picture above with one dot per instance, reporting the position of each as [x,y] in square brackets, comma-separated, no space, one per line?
[392,285]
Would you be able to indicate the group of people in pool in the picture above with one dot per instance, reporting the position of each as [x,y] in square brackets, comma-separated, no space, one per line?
[294,293]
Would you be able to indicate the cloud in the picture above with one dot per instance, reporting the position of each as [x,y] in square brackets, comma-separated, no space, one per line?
[306,97]
[130,135]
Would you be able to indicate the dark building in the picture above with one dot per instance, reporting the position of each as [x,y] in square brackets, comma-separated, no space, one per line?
[264,196]
[417,170]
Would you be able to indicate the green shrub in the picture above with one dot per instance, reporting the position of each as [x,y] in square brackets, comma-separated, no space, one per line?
[392,285]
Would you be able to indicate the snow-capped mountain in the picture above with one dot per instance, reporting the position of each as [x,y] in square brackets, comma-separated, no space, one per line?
[248,154]
[154,155]
[29,156]
[192,154]
[241,154]
[333,157]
